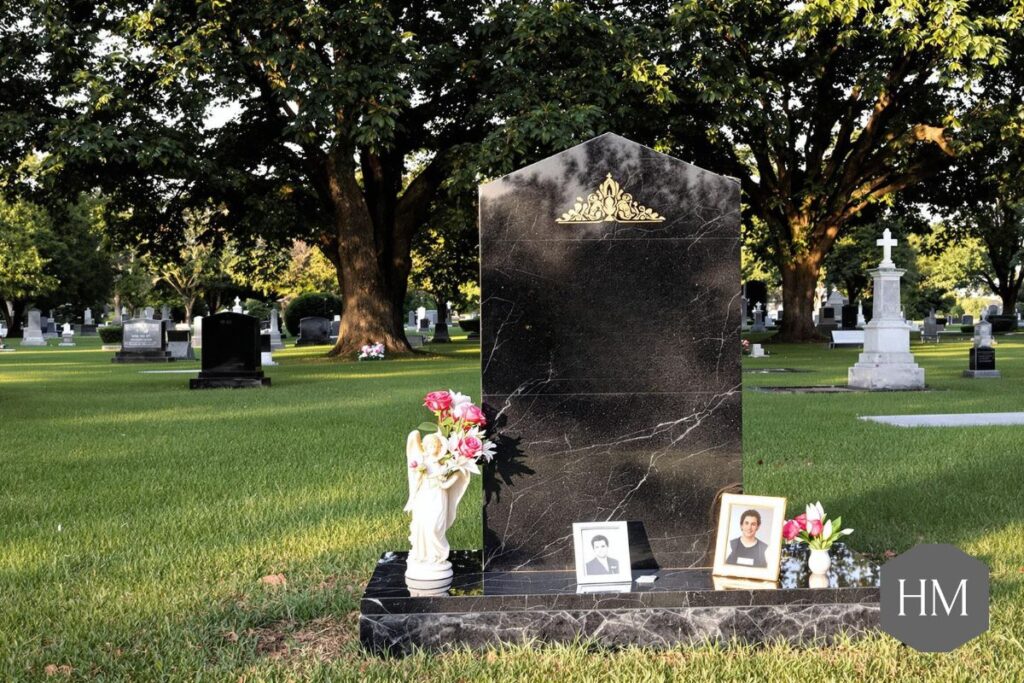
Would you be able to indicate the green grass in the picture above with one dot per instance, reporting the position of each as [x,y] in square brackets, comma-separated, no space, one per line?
[137,517]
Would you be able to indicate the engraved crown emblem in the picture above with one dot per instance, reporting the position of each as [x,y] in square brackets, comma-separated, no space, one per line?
[609,204]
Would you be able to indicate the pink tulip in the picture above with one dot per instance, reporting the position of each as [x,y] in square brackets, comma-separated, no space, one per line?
[801,519]
[791,529]
[438,401]
[814,527]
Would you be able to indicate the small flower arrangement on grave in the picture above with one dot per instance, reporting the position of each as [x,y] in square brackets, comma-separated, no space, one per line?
[372,352]
[745,346]
[814,528]
[456,441]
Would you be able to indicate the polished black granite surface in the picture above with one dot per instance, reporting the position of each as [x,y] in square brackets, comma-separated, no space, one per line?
[683,605]
[610,352]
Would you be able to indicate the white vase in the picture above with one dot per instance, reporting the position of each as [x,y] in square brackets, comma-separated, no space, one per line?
[819,562]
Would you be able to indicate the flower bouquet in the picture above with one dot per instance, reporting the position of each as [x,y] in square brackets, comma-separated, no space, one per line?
[819,532]
[745,346]
[372,352]
[456,441]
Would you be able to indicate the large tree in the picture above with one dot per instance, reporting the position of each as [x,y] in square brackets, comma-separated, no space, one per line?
[338,123]
[825,107]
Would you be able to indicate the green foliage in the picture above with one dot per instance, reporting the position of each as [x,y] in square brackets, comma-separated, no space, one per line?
[307,305]
[446,255]
[111,334]
[23,269]
[257,308]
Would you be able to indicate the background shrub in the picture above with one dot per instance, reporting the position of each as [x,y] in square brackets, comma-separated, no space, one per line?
[322,304]
[111,334]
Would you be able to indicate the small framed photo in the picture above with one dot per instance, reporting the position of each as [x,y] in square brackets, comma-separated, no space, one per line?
[602,553]
[749,543]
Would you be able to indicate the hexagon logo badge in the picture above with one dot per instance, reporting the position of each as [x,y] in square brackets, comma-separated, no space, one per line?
[934,597]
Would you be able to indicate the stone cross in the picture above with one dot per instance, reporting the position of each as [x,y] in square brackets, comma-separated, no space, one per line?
[238,305]
[887,243]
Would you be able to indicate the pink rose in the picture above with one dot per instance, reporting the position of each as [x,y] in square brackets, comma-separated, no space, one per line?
[470,447]
[814,527]
[438,401]
[470,413]
[791,530]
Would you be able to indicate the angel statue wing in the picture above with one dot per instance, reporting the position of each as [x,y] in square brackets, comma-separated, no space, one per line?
[413,454]
[456,485]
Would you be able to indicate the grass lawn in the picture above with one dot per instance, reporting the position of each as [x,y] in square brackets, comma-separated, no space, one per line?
[138,517]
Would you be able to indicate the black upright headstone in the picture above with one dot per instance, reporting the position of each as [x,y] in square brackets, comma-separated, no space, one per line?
[636,421]
[143,340]
[313,331]
[231,353]
[756,292]
[849,317]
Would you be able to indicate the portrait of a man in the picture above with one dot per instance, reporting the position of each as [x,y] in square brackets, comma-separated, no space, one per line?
[602,564]
[747,550]
[602,555]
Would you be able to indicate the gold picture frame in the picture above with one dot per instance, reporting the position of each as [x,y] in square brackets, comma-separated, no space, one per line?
[744,549]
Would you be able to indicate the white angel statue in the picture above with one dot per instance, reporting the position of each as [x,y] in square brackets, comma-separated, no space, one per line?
[435,490]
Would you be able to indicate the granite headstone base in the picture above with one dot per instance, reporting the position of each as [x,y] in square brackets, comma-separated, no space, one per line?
[207,380]
[151,356]
[683,606]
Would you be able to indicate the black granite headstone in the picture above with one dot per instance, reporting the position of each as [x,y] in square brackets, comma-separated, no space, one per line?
[828,313]
[143,340]
[982,358]
[231,353]
[638,421]
[313,331]
[756,292]
[849,317]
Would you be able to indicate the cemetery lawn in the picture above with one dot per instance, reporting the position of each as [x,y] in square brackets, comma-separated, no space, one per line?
[137,518]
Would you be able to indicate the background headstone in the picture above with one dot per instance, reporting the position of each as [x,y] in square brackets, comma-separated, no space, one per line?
[275,331]
[179,344]
[587,428]
[32,334]
[231,353]
[143,340]
[313,331]
[197,332]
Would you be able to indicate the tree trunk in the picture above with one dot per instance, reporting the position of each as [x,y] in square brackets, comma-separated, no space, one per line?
[368,314]
[1009,294]
[16,311]
[799,282]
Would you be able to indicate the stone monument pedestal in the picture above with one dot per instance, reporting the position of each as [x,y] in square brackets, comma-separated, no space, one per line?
[886,362]
[483,609]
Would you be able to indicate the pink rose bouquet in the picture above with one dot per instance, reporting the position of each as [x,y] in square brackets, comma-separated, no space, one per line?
[814,528]
[372,352]
[462,442]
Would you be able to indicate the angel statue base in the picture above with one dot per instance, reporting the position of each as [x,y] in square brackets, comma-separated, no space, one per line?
[434,494]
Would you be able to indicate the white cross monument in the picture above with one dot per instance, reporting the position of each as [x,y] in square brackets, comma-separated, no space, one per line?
[886,362]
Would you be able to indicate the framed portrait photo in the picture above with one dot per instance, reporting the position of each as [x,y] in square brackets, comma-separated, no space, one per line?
[749,542]
[602,553]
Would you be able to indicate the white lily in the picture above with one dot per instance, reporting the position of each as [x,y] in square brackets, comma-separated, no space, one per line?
[458,398]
